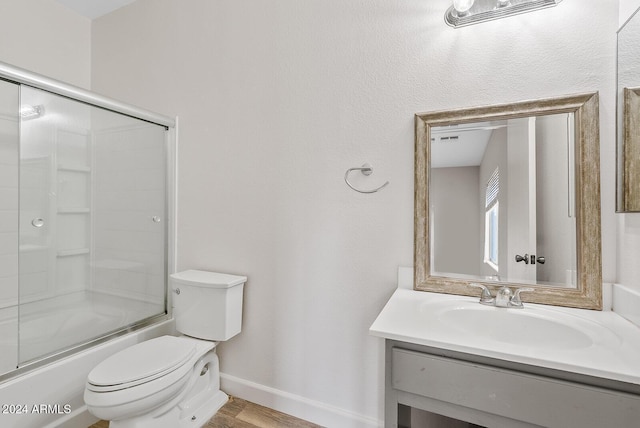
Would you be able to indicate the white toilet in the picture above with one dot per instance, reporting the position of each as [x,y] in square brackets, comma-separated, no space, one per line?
[169,381]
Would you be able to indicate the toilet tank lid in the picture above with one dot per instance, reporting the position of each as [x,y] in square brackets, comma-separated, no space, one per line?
[201,278]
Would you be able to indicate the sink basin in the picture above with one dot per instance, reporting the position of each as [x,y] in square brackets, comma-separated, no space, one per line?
[593,343]
[532,327]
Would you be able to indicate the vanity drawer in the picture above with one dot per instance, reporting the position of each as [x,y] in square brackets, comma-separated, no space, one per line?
[529,398]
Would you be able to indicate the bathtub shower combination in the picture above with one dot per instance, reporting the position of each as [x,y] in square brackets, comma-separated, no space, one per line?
[83,219]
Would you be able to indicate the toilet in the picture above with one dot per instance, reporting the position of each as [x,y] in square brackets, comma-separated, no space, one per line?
[170,381]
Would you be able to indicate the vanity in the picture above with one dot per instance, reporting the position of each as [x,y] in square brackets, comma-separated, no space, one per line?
[539,366]
[507,214]
[516,227]
[507,206]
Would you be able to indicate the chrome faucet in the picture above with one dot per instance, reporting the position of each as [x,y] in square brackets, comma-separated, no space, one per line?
[505,297]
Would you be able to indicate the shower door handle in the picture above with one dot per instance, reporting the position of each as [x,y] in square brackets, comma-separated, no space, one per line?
[37,222]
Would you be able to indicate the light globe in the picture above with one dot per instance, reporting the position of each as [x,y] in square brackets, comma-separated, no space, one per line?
[462,6]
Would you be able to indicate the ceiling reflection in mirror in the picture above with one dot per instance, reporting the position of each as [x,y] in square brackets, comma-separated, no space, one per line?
[502,200]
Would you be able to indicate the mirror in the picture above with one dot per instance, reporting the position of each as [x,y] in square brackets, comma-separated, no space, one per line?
[510,195]
[628,94]
[502,200]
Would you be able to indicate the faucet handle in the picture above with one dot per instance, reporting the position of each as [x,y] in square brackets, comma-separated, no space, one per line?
[516,302]
[485,296]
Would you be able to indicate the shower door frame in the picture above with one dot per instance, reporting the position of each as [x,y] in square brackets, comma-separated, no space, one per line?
[23,77]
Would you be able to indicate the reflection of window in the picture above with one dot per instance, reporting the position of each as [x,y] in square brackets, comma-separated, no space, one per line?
[491,237]
[492,208]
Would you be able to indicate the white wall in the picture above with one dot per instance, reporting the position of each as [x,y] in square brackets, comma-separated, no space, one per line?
[45,37]
[277,99]
[627,8]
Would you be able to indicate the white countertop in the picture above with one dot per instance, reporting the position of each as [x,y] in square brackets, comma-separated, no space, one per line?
[613,354]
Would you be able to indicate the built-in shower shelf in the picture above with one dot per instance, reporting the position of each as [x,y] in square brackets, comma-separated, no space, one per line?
[74,168]
[74,211]
[74,252]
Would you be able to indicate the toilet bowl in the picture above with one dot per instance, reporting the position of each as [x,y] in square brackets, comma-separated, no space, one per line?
[170,381]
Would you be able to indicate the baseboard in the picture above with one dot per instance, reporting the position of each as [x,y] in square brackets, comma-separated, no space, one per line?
[295,405]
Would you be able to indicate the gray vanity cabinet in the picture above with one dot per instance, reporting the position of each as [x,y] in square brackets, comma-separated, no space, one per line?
[494,393]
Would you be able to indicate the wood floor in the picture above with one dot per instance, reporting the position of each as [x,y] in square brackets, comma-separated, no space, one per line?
[238,413]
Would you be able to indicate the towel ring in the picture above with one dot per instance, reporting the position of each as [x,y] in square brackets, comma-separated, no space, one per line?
[365,169]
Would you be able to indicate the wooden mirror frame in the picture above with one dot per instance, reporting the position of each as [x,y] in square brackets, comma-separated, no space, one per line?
[588,293]
[630,149]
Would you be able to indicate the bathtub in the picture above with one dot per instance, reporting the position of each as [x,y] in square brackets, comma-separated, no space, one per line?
[52,395]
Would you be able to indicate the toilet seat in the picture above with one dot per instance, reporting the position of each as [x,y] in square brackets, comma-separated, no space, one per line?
[114,390]
[142,363]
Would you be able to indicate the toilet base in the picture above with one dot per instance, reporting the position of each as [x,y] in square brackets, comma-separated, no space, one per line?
[202,415]
[194,419]
[202,399]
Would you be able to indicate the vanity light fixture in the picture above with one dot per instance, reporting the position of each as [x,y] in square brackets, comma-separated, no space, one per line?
[467,12]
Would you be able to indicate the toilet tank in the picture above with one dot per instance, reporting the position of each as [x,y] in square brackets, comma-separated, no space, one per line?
[207,305]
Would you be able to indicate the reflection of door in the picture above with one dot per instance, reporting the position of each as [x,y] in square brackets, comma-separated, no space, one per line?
[555,203]
[521,198]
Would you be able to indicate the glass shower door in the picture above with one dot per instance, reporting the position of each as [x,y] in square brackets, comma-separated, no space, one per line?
[92,230]
[9,96]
